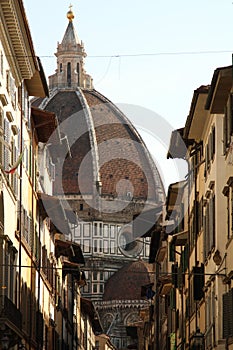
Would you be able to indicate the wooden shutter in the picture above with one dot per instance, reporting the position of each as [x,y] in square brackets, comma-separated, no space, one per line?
[230,313]
[173,298]
[1,135]
[171,251]
[211,234]
[213,214]
[204,237]
[198,282]
[225,310]
[229,121]
[213,142]
[174,274]
[180,277]
[6,149]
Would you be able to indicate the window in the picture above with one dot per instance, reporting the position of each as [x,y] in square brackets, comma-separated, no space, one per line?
[1,63]
[86,246]
[95,276]
[106,233]
[95,229]
[112,247]
[210,308]
[8,81]
[86,230]
[78,72]
[6,148]
[94,288]
[77,231]
[106,247]
[100,245]
[69,74]
[112,231]
[60,67]
[210,150]
[228,193]
[1,135]
[228,124]
[227,302]
[147,246]
[11,88]
[209,226]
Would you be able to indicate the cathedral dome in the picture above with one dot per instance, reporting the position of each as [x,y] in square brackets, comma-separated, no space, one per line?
[127,282]
[108,165]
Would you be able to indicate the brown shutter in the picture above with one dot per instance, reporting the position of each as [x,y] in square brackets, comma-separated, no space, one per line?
[198,282]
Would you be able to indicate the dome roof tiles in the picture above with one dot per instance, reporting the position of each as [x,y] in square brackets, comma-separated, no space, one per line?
[126,283]
[112,143]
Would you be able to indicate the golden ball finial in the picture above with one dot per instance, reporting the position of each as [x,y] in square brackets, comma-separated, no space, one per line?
[70,14]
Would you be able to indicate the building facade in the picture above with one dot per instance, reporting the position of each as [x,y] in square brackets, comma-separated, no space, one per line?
[197,230]
[40,271]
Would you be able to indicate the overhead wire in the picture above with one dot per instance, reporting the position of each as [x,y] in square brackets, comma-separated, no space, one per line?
[143,54]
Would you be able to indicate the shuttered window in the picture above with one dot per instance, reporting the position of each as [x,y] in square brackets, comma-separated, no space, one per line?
[209,226]
[227,311]
[7,142]
[1,135]
[198,282]
[210,150]
[174,274]
[213,137]
[228,124]
[171,251]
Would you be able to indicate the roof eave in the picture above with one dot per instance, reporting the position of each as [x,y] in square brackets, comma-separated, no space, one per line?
[203,89]
[220,87]
[37,85]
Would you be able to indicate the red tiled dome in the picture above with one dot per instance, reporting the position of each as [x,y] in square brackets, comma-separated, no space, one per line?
[116,150]
[126,283]
[108,159]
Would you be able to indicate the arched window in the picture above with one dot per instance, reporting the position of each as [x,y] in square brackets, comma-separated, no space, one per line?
[69,74]
[78,71]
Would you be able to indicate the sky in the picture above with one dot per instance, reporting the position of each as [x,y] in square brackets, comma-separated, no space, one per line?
[151,54]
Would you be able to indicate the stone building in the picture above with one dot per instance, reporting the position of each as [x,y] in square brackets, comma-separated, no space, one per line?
[197,234]
[107,181]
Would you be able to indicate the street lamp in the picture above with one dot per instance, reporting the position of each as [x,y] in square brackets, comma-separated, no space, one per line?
[5,341]
[198,340]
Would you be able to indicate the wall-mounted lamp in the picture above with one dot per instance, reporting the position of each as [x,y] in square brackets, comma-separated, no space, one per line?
[217,258]
[198,340]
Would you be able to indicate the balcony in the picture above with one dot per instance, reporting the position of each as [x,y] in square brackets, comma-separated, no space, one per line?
[10,320]
[9,313]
